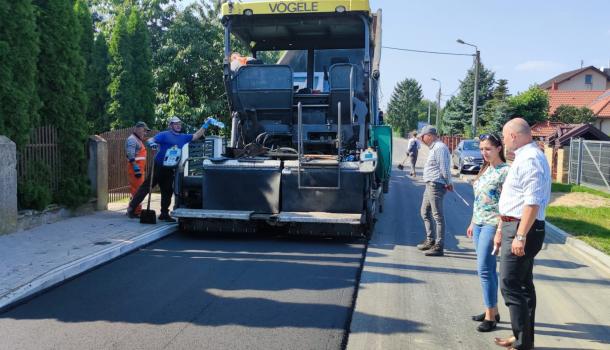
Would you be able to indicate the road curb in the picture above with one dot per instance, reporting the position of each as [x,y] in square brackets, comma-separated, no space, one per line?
[76,267]
[589,253]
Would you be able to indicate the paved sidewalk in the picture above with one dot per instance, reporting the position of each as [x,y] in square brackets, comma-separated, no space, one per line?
[36,259]
[430,299]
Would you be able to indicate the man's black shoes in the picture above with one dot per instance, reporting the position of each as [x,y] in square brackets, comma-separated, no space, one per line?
[436,250]
[166,218]
[425,245]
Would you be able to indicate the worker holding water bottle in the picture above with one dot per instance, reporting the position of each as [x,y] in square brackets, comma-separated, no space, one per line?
[168,145]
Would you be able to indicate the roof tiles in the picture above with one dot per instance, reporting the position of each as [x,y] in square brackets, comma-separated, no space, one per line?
[596,100]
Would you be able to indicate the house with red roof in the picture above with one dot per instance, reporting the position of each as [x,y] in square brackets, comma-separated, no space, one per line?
[586,78]
[596,100]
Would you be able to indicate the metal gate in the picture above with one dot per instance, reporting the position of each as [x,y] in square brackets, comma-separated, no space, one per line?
[590,163]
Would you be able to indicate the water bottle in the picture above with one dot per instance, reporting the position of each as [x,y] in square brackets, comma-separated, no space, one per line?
[213,121]
[172,157]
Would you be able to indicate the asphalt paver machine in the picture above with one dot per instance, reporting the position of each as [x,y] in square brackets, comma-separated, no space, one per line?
[308,153]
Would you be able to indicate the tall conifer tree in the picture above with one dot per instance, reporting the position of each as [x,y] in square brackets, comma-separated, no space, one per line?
[61,70]
[83,15]
[404,105]
[122,86]
[19,47]
[144,104]
[99,120]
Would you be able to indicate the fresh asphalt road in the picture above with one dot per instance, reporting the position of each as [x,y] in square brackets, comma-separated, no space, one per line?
[269,293]
[427,302]
[199,293]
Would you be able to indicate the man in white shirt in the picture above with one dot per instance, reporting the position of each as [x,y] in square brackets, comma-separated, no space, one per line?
[525,196]
[437,176]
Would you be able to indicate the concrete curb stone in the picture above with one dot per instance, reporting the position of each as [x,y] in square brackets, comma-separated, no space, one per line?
[84,264]
[589,253]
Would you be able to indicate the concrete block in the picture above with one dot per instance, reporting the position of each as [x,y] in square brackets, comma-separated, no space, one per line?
[98,170]
[8,185]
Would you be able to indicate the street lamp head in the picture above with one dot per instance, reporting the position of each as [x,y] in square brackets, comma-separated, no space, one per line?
[460,41]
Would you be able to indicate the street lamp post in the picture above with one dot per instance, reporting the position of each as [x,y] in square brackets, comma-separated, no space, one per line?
[438,104]
[475,100]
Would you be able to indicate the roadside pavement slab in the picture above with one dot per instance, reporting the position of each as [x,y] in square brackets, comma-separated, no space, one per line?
[39,258]
[431,299]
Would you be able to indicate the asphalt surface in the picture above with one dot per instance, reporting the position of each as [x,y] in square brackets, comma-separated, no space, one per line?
[187,292]
[427,301]
[270,293]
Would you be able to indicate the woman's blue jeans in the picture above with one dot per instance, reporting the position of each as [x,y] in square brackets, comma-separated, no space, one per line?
[483,237]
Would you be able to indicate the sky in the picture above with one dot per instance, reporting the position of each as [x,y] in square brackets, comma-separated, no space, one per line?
[525,42]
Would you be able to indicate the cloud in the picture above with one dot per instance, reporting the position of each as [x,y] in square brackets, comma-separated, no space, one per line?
[539,66]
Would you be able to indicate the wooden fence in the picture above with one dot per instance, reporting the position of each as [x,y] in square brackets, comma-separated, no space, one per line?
[118,183]
[451,141]
[41,157]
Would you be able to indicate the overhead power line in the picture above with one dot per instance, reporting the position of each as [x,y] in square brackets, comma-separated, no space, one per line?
[430,52]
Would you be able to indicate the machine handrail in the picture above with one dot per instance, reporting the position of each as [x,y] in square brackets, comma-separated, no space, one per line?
[300,151]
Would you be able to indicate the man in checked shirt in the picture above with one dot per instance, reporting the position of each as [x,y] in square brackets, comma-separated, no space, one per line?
[525,196]
[437,176]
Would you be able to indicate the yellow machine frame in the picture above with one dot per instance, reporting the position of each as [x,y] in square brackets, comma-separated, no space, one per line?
[231,8]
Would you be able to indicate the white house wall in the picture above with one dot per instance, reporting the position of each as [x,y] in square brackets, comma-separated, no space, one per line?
[603,125]
[577,82]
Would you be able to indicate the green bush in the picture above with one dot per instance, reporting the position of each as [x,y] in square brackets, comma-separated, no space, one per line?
[74,192]
[34,191]
[33,195]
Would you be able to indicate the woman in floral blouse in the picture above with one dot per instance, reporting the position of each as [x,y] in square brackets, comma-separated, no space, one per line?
[484,225]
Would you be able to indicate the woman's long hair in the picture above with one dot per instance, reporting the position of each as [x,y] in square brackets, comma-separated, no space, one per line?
[495,141]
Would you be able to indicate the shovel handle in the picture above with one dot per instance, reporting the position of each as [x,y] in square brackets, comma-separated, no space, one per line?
[150,185]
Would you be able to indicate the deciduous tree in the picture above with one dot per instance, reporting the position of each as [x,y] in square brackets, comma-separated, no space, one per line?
[532,105]
[573,115]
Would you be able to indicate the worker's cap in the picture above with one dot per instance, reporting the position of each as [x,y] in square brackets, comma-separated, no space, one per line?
[174,120]
[428,129]
[142,125]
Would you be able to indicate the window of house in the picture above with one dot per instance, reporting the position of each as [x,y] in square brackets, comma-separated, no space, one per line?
[588,79]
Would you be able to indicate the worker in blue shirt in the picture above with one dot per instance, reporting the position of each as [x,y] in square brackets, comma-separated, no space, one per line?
[166,142]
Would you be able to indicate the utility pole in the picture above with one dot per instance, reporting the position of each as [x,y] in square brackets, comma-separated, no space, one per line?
[429,104]
[475,99]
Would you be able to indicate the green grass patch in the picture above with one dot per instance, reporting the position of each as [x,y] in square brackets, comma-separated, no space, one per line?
[591,225]
[566,188]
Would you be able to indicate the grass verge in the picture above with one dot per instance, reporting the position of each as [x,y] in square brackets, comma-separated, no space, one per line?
[566,188]
[591,225]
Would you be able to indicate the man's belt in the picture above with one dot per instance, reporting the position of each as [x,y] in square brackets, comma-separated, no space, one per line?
[508,218]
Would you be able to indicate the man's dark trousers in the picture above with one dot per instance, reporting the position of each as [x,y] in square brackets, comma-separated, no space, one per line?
[517,281]
[164,177]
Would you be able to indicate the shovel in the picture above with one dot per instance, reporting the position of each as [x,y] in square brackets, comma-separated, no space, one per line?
[401,166]
[149,216]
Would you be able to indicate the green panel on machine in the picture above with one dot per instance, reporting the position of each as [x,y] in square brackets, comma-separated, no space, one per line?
[381,135]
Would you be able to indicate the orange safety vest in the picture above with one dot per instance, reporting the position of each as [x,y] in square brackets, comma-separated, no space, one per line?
[134,182]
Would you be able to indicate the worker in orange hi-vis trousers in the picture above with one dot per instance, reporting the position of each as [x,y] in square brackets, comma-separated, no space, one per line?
[136,158]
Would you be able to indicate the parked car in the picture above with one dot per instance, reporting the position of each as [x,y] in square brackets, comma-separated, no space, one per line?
[467,156]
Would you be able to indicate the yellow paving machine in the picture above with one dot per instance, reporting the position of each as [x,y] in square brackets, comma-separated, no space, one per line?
[308,152]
